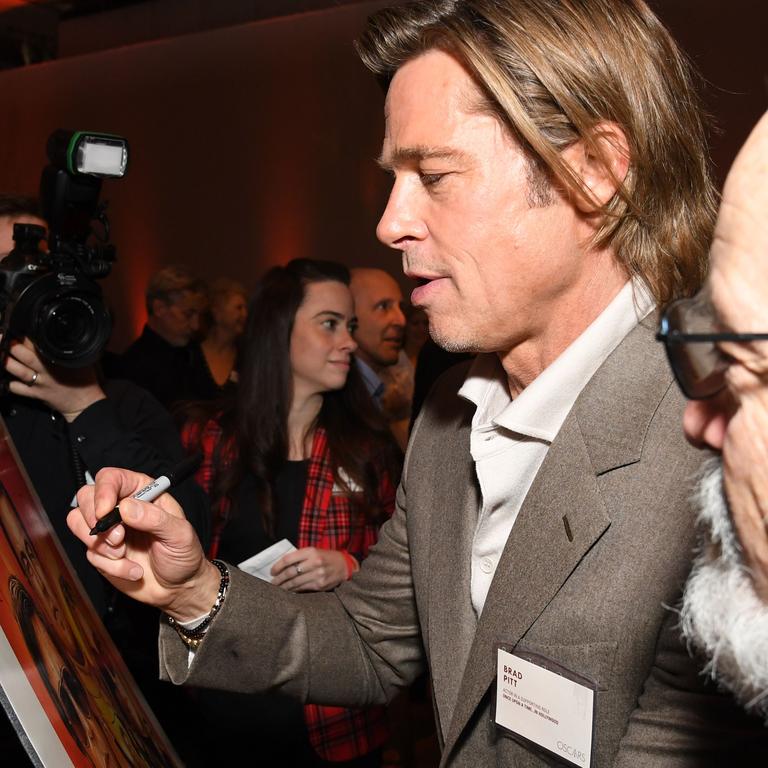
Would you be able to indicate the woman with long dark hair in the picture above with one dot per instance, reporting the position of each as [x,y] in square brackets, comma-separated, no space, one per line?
[300,454]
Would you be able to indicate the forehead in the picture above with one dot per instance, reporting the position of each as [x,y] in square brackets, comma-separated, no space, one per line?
[326,296]
[185,300]
[375,285]
[6,229]
[739,255]
[232,298]
[433,106]
[7,222]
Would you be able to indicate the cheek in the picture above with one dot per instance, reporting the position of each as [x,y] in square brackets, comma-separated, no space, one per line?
[705,423]
[304,352]
[296,352]
[745,451]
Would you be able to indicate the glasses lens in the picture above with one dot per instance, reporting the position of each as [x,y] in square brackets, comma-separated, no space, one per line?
[699,367]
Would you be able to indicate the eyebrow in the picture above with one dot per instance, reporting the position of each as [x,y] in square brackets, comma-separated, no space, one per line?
[337,315]
[405,155]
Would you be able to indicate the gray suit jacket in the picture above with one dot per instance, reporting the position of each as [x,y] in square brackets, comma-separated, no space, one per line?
[598,601]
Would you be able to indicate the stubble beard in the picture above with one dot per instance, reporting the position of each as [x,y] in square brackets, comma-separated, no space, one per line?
[451,335]
[722,616]
[452,344]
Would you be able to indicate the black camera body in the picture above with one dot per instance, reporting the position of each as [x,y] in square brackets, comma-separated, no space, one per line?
[52,296]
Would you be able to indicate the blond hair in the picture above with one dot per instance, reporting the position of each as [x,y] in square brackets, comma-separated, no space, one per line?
[552,71]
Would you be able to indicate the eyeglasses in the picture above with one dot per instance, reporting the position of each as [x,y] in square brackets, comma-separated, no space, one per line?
[687,330]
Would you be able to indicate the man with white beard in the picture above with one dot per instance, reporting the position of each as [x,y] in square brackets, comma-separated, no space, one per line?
[717,344]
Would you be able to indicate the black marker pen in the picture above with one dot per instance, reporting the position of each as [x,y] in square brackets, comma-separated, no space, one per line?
[151,491]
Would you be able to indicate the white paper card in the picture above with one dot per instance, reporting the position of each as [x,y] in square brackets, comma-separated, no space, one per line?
[261,563]
[546,708]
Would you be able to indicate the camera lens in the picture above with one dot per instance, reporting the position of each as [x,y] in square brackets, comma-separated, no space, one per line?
[72,329]
[64,315]
[69,324]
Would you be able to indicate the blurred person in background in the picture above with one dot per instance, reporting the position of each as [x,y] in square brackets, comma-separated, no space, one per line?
[398,379]
[416,332]
[302,455]
[166,359]
[380,325]
[225,323]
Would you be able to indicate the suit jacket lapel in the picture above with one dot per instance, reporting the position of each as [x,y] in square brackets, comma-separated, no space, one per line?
[455,508]
[537,559]
[604,430]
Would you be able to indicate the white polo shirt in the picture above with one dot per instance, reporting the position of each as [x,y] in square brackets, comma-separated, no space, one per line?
[510,438]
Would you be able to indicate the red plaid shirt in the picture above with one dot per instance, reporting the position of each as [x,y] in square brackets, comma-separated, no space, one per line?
[327,521]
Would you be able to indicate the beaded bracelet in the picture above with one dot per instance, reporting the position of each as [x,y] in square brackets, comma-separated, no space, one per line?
[193,637]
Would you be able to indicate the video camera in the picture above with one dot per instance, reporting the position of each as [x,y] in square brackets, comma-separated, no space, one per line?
[51,296]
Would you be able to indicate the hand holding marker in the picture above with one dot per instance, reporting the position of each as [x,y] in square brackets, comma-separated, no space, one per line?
[151,491]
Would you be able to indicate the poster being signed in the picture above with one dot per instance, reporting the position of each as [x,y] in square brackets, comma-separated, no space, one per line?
[67,690]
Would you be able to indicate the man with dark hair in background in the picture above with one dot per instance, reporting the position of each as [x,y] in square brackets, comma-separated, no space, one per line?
[550,192]
[166,359]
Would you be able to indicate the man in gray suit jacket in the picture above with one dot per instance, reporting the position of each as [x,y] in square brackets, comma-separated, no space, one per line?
[550,191]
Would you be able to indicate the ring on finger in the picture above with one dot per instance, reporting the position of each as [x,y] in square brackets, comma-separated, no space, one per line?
[32,381]
[298,569]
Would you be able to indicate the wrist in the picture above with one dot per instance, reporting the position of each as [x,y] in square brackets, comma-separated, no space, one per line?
[351,564]
[197,595]
[192,633]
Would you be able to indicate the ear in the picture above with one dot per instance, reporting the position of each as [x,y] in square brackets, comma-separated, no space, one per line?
[601,163]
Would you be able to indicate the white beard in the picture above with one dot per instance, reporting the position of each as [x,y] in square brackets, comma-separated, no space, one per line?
[721,614]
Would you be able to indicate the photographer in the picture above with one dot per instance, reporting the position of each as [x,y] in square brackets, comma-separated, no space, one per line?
[66,425]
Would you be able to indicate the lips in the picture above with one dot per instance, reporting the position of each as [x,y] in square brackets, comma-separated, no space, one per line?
[421,277]
[426,284]
[421,295]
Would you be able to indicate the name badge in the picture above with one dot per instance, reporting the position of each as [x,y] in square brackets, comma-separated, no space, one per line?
[541,703]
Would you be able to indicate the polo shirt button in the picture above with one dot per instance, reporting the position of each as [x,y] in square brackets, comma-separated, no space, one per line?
[486,565]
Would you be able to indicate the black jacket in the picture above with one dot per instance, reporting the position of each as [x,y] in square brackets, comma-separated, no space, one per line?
[128,429]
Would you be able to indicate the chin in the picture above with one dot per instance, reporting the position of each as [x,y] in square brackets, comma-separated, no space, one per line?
[452,339]
[333,385]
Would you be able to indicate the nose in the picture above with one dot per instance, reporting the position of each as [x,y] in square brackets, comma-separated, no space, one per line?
[398,318]
[706,421]
[348,344]
[401,221]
